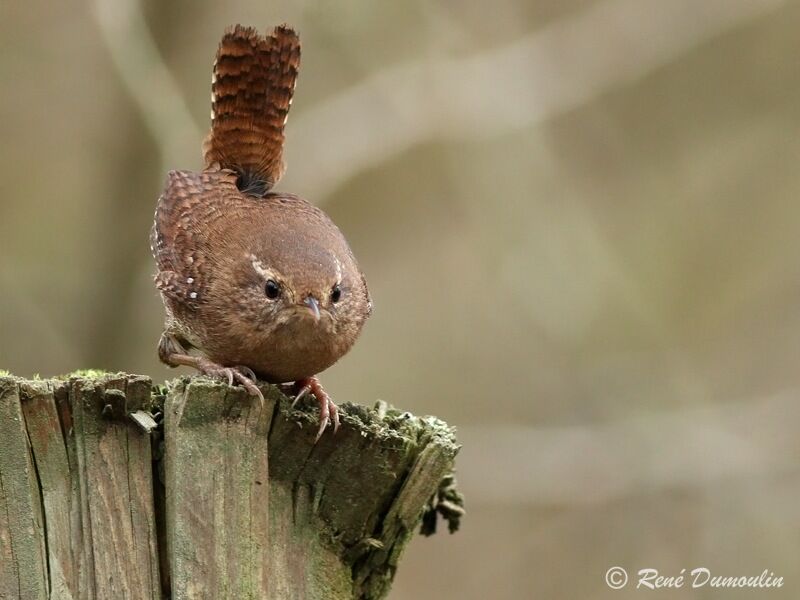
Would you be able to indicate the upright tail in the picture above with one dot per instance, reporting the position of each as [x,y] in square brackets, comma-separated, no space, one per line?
[251,91]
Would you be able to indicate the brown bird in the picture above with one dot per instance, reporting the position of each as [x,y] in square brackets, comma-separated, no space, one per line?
[255,284]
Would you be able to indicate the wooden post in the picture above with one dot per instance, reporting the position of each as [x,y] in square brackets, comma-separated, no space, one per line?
[76,511]
[244,505]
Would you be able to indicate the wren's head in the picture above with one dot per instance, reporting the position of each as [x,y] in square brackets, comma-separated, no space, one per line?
[287,292]
[307,291]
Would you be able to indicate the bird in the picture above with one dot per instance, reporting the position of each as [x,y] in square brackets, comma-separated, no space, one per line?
[256,284]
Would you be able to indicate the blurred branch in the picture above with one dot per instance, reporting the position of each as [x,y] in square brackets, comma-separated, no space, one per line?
[562,66]
[598,463]
[545,74]
[148,80]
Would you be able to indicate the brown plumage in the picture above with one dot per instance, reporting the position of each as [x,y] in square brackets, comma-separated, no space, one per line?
[254,283]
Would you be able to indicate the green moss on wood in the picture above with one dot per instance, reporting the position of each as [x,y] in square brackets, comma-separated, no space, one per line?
[92,374]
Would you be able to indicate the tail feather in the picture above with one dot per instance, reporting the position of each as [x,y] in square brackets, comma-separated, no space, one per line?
[251,92]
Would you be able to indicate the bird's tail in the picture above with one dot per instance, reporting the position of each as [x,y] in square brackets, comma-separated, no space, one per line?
[251,91]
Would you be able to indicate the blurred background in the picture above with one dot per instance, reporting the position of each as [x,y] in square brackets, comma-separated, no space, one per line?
[580,225]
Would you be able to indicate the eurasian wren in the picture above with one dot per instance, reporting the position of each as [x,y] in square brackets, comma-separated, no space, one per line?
[256,284]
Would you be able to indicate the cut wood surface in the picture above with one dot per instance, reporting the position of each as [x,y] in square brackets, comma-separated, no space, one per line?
[113,488]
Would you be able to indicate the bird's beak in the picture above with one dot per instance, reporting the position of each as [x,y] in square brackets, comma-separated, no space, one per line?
[313,306]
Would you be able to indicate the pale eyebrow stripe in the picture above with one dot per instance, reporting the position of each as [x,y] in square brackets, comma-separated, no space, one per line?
[338,270]
[259,267]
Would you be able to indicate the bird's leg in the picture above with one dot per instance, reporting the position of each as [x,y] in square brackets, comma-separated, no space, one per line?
[328,411]
[172,353]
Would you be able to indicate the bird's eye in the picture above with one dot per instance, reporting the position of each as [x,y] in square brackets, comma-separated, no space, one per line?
[272,289]
[336,293]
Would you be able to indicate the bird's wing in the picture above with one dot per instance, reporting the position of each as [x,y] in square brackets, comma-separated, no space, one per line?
[184,216]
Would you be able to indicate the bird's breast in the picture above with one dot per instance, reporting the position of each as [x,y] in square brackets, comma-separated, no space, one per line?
[287,353]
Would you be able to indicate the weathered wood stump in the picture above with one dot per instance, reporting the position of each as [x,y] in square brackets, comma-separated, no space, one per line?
[111,488]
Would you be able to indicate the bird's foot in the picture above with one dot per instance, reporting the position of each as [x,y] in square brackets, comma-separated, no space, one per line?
[328,411]
[172,352]
[243,375]
[239,374]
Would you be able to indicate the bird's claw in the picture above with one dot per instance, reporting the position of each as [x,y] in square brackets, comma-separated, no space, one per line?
[328,411]
[303,391]
[245,370]
[241,374]
[247,378]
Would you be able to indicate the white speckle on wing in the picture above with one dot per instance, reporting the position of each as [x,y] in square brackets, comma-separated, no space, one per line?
[193,295]
[190,280]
